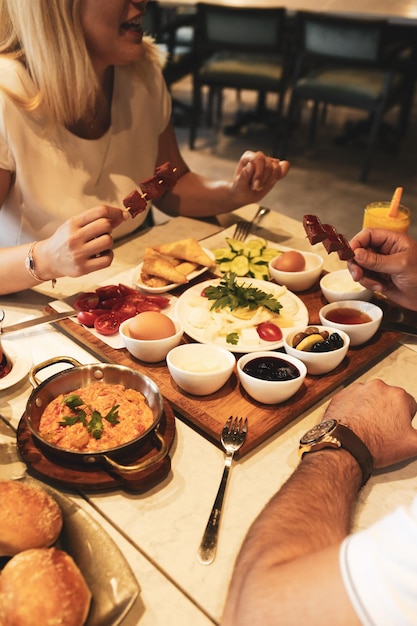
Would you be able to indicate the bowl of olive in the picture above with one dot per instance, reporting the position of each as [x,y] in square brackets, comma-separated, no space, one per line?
[320,348]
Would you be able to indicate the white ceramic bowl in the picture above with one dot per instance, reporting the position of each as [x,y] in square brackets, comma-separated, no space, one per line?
[318,363]
[200,369]
[270,391]
[339,285]
[150,350]
[299,281]
[358,333]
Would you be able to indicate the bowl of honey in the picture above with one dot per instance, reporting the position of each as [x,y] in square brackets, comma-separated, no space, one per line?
[358,319]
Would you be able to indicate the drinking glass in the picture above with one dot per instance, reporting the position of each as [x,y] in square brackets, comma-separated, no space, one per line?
[376,215]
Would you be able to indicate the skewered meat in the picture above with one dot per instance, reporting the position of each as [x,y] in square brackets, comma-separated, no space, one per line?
[328,235]
[151,188]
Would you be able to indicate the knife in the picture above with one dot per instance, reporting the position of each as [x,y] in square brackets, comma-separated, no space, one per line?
[45,319]
[399,327]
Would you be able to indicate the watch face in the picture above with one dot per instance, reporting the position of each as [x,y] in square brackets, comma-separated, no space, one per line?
[318,432]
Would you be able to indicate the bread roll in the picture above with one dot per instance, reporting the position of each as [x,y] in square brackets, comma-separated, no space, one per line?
[29,517]
[43,586]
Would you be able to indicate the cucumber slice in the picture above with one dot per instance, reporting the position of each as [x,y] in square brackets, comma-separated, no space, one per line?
[253,248]
[270,253]
[235,245]
[260,240]
[260,274]
[258,261]
[240,265]
[223,254]
[225,267]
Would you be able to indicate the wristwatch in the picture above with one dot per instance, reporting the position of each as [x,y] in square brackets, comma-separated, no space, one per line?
[334,434]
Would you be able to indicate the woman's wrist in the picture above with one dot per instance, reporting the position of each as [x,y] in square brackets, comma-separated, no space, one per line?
[34,267]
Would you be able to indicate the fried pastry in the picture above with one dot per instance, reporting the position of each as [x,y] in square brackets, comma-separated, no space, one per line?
[156,264]
[188,250]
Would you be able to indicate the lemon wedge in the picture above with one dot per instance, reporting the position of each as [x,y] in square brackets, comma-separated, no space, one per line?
[308,342]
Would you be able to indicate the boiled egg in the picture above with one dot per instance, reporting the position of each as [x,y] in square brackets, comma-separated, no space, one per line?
[290,261]
[151,325]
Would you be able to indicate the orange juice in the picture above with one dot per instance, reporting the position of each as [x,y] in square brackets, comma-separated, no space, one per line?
[376,216]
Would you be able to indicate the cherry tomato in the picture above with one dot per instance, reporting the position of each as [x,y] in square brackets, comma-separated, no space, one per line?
[161,301]
[269,331]
[108,292]
[107,324]
[86,301]
[126,291]
[109,303]
[124,309]
[86,318]
[147,305]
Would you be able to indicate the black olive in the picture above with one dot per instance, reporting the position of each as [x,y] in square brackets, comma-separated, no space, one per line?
[321,346]
[336,341]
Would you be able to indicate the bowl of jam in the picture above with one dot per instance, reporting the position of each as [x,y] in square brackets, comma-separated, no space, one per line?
[359,319]
[270,377]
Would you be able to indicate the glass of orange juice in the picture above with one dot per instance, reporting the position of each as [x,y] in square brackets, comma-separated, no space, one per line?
[376,215]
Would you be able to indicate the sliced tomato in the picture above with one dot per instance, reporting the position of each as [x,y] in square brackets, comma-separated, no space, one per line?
[108,292]
[124,309]
[97,312]
[161,301]
[86,318]
[109,303]
[126,291]
[269,331]
[86,301]
[107,324]
[147,305]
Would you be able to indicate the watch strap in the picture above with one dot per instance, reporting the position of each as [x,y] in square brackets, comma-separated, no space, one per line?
[360,451]
[344,437]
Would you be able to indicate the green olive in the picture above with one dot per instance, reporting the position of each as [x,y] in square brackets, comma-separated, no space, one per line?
[297,338]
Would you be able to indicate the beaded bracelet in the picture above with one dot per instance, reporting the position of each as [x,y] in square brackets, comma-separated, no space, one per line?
[30,266]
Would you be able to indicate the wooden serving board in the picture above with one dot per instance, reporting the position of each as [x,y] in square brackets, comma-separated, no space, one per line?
[207,414]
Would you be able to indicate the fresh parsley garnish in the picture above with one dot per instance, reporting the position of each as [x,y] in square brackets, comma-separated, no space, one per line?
[232,338]
[73,401]
[229,293]
[95,425]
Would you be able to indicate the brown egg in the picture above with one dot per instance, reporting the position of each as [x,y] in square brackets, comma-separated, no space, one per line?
[290,261]
[151,325]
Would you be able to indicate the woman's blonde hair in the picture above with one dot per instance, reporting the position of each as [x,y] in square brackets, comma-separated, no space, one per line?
[47,37]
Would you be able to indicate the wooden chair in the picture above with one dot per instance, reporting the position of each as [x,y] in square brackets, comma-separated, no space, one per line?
[353,63]
[242,49]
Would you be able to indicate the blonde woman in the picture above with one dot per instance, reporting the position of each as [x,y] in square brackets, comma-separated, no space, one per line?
[84,117]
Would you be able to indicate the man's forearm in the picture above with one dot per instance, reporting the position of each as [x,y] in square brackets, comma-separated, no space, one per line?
[311,512]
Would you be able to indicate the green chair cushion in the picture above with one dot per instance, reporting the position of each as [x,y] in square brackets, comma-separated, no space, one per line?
[248,70]
[355,87]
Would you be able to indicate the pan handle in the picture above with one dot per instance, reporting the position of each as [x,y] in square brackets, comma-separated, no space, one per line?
[139,467]
[35,381]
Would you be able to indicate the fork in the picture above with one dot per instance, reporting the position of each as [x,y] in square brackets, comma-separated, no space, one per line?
[233,437]
[243,227]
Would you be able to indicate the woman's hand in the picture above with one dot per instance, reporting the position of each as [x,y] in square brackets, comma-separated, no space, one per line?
[81,245]
[386,261]
[255,176]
